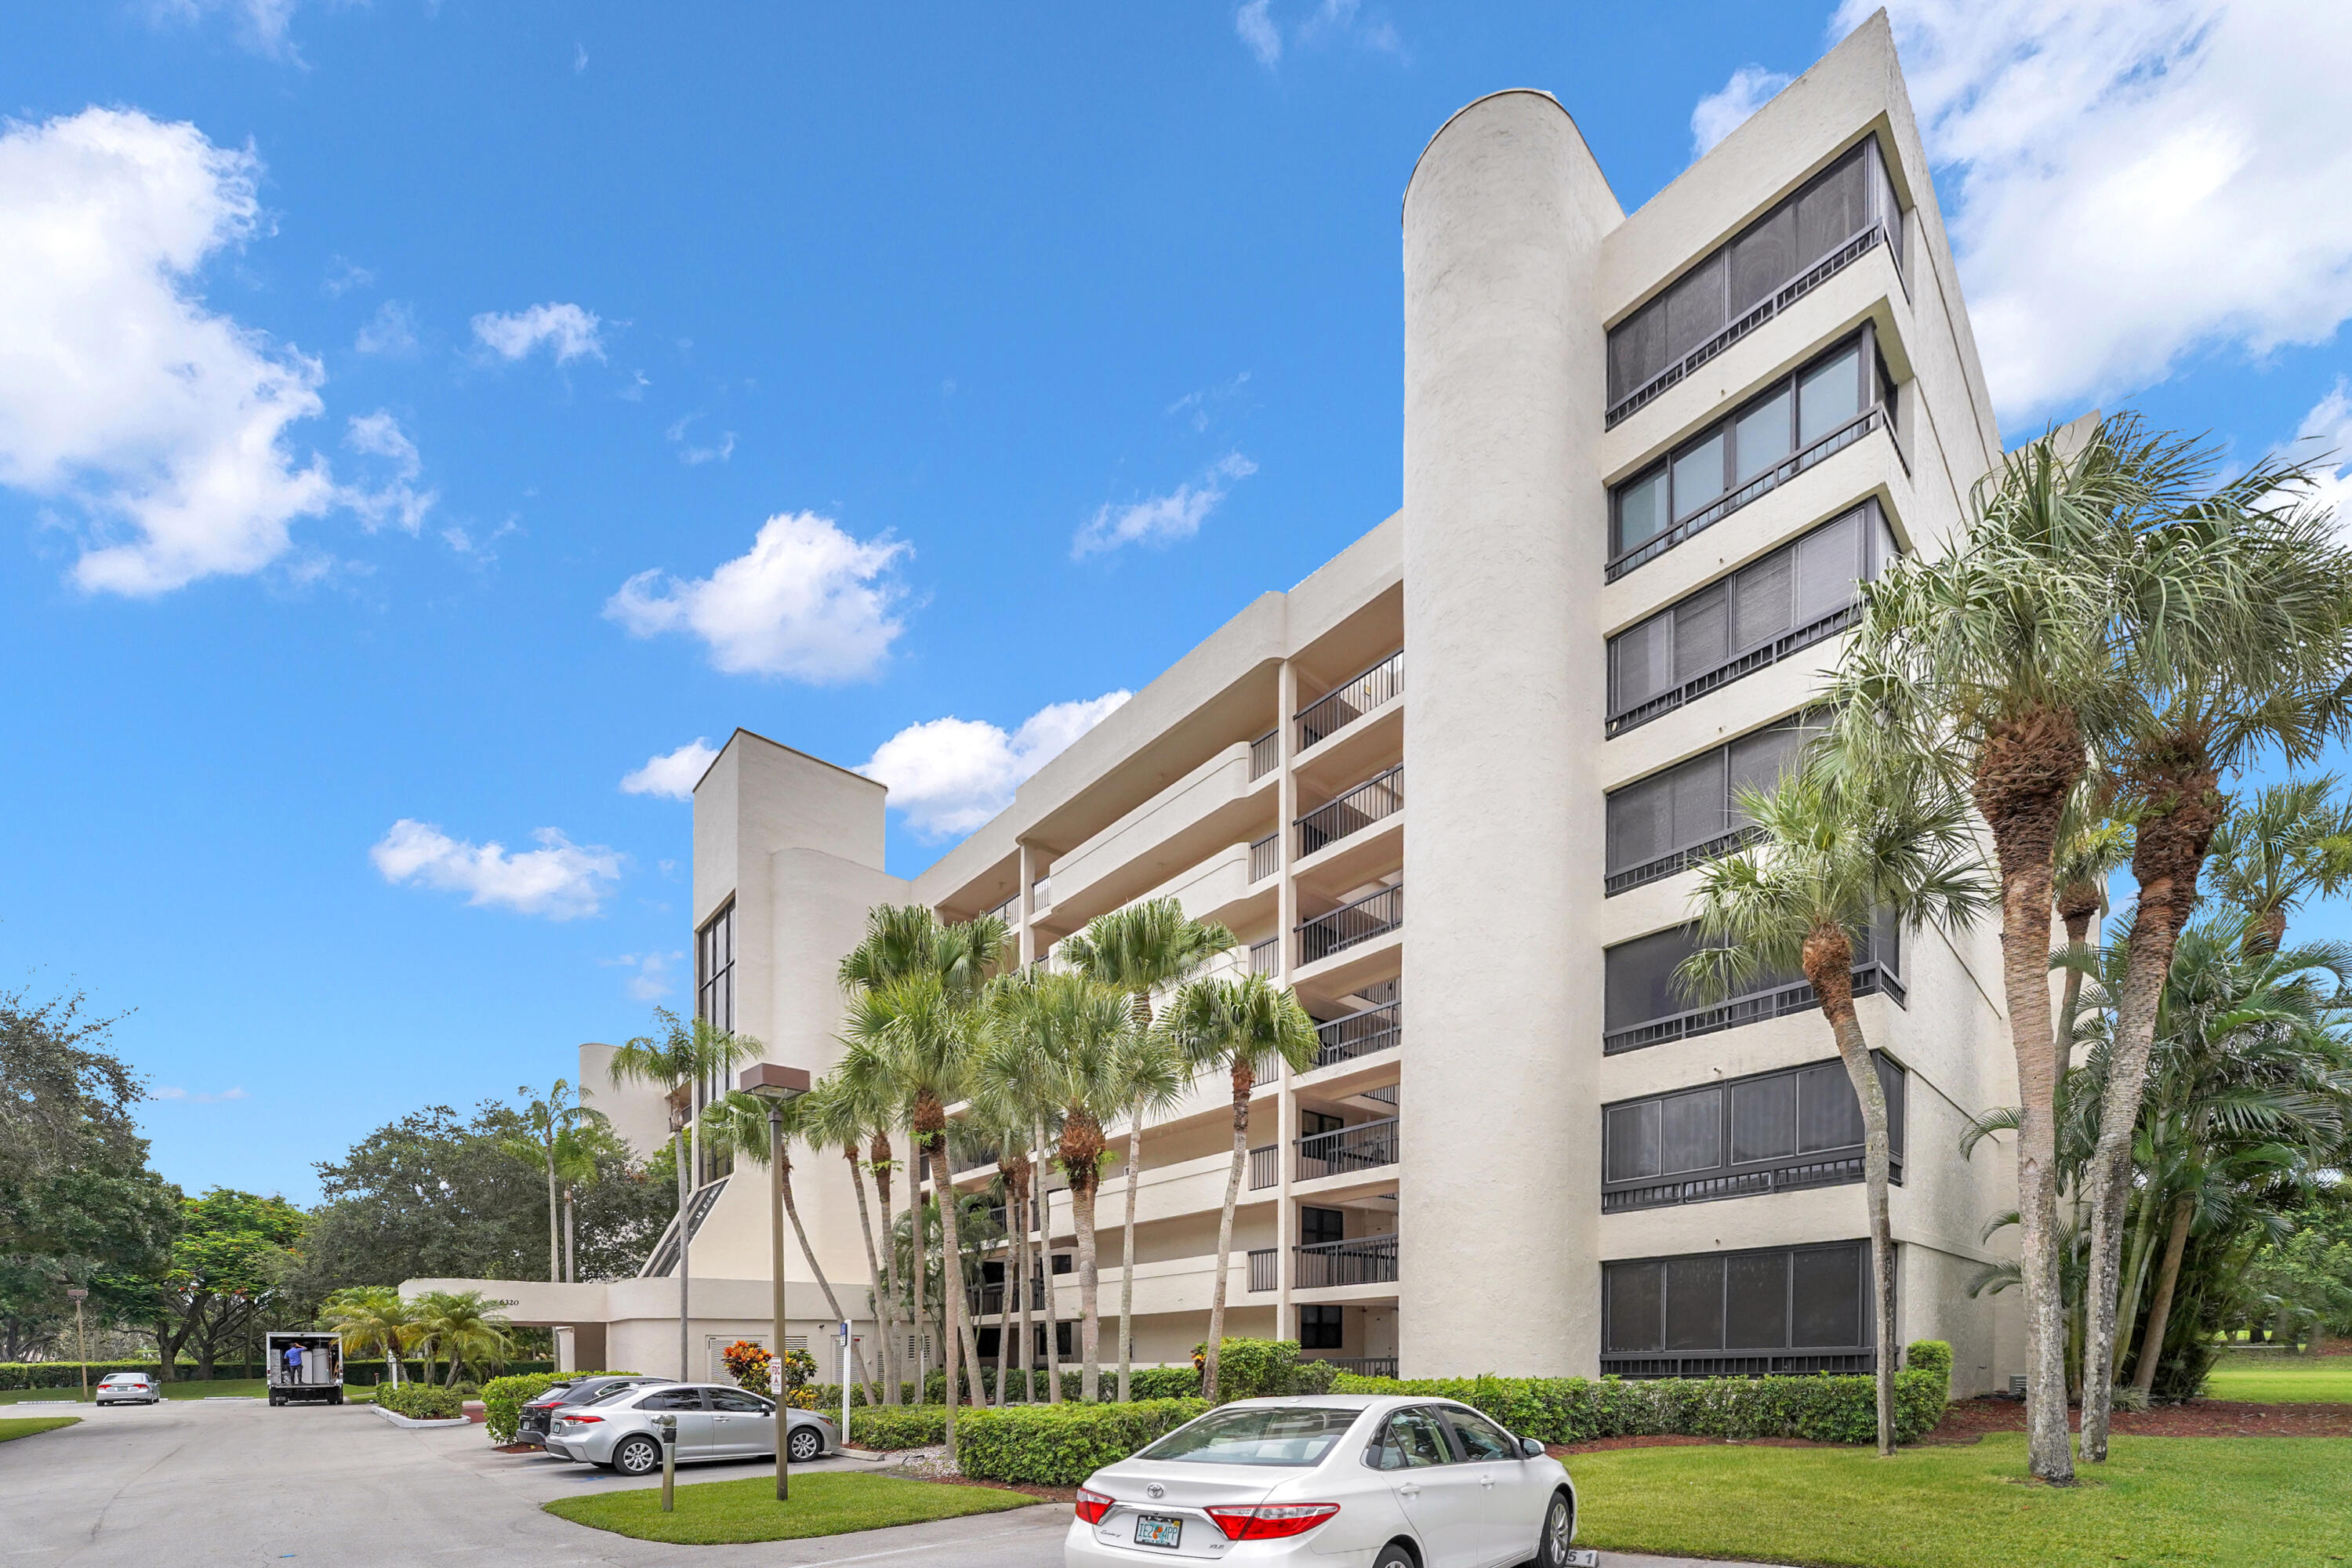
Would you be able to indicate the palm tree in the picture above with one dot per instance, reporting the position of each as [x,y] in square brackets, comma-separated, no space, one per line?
[577,1168]
[2093,845]
[1245,1026]
[462,1326]
[2295,840]
[1140,949]
[366,1315]
[2239,608]
[2003,659]
[1828,863]
[833,1116]
[686,1055]
[548,1120]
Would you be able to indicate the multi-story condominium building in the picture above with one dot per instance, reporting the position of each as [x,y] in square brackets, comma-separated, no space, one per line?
[1647,457]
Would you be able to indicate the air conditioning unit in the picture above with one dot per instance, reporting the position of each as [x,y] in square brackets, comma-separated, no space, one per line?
[2017,1385]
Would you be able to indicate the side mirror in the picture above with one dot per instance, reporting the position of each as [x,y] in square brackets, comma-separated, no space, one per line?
[1531,1448]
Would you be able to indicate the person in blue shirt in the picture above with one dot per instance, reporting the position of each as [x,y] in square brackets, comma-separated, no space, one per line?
[293,1363]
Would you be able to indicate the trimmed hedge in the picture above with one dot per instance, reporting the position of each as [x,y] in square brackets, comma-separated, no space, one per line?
[1823,1409]
[419,1401]
[1061,1445]
[504,1397]
[899,1427]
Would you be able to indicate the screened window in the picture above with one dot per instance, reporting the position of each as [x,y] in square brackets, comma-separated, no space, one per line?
[1777,1131]
[1644,1005]
[1317,1227]
[1749,275]
[1674,818]
[1750,451]
[1799,1300]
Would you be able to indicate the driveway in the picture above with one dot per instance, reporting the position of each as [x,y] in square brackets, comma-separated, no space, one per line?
[195,1482]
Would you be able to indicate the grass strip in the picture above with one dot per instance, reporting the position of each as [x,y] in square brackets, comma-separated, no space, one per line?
[26,1426]
[2282,1379]
[831,1502]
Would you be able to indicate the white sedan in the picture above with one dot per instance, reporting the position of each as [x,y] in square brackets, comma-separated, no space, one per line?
[1334,1482]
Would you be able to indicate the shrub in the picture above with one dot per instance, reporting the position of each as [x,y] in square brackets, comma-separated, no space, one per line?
[420,1402]
[504,1397]
[897,1427]
[1061,1445]
[1824,1409]
[1166,1383]
[1263,1369]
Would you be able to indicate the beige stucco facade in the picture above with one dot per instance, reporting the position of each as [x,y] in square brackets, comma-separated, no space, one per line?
[1449,1170]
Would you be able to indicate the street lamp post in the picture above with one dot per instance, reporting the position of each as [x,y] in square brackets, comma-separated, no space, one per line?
[81,1338]
[774,1085]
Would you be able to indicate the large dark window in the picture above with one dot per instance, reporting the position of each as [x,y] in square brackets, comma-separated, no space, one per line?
[1776,1131]
[1784,430]
[1836,216]
[1320,1328]
[1642,1005]
[714,969]
[1690,812]
[1762,614]
[1781,1310]
[1317,1227]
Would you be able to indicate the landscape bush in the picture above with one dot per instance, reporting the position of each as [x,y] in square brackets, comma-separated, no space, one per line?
[1264,1369]
[1821,1409]
[897,1427]
[420,1402]
[504,1397]
[1061,1445]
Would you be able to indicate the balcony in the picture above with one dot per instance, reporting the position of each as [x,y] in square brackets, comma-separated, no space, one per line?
[1262,956]
[1869,980]
[989,1299]
[1373,801]
[1366,1260]
[1375,914]
[1364,1147]
[1265,1166]
[1361,1365]
[1265,858]
[1359,1034]
[1350,700]
[1262,1267]
[1265,753]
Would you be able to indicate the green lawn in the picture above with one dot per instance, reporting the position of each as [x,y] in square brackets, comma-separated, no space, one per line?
[26,1425]
[245,1388]
[833,1502]
[2282,1379]
[2231,1502]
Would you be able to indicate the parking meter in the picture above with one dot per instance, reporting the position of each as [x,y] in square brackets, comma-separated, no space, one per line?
[668,1427]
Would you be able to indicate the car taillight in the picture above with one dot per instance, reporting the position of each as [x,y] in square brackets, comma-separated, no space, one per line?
[1271,1521]
[1092,1506]
[581,1420]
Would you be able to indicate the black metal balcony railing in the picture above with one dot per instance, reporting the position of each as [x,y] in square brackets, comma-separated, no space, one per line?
[1371,916]
[1350,700]
[1041,891]
[1263,1267]
[1666,864]
[1359,1034]
[1366,1260]
[1374,800]
[1733,1363]
[1779,299]
[1868,980]
[1264,1165]
[1262,956]
[1364,1147]
[1265,753]
[988,1300]
[1265,857]
[1362,1365]
[1789,1175]
[1731,669]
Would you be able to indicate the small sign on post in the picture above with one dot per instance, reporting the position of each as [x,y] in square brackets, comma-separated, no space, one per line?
[776,1379]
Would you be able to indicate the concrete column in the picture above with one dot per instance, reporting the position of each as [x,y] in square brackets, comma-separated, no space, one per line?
[1504,545]
[1028,874]
[1285,956]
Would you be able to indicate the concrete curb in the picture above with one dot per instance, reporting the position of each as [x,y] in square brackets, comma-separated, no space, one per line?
[399,1420]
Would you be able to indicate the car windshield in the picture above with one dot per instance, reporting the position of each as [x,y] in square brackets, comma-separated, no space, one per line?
[618,1391]
[1285,1435]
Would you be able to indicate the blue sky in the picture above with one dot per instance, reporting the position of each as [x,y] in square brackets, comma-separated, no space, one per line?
[416,418]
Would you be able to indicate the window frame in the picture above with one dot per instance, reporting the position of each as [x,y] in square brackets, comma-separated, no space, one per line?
[1873,973]
[1729,1359]
[1732,1177]
[1336,1323]
[1688,852]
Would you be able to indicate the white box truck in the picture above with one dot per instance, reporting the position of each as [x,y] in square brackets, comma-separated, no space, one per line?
[305,1368]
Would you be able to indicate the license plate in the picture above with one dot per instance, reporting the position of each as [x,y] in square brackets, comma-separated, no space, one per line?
[1583,1557]
[1157,1529]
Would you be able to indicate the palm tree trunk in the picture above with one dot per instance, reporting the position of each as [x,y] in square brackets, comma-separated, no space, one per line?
[1225,1229]
[971,1319]
[894,1361]
[1877,1162]
[554,1229]
[571,1236]
[1005,1313]
[951,1290]
[1046,1272]
[791,1211]
[685,1250]
[918,1230]
[873,1266]
[2167,1276]
[1082,1211]
[1127,1255]
[1026,1277]
[2166,852]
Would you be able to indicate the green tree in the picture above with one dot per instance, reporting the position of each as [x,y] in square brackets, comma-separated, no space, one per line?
[226,1262]
[1246,1027]
[841,1115]
[2293,840]
[1143,947]
[1830,862]
[461,1326]
[685,1054]
[549,1120]
[369,1316]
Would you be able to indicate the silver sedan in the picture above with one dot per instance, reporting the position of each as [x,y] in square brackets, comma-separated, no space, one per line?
[715,1420]
[1334,1482]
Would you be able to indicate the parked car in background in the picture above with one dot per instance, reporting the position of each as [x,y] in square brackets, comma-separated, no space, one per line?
[128,1388]
[1384,1480]
[530,1426]
[715,1420]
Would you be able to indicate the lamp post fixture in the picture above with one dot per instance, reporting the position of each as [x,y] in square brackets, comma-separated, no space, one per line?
[775,1084]
[81,1339]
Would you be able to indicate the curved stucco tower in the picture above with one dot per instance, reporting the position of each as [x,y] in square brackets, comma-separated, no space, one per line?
[1505,531]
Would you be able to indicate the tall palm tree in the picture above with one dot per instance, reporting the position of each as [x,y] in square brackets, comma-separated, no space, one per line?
[548,1119]
[2293,840]
[685,1053]
[2093,845]
[867,1104]
[366,1315]
[1829,862]
[2238,603]
[2003,659]
[1248,1027]
[1142,949]
[834,1116]
[576,1169]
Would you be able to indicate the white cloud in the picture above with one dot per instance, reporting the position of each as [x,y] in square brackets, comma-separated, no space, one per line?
[390,330]
[951,775]
[167,1091]
[673,775]
[378,435]
[695,456]
[1257,30]
[569,331]
[1723,112]
[579,57]
[805,601]
[162,422]
[2134,182]
[560,879]
[650,981]
[347,276]
[264,26]
[2325,441]
[1161,520]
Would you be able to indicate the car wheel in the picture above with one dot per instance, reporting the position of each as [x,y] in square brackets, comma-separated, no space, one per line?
[1395,1554]
[1558,1530]
[805,1443]
[638,1457]
[276,1400]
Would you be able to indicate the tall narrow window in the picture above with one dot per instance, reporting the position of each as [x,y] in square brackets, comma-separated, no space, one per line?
[714,1002]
